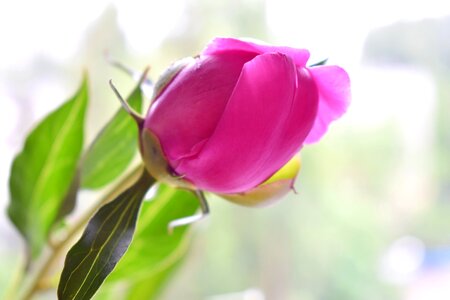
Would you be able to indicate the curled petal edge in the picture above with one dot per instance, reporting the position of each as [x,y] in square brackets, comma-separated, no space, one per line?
[333,84]
[220,45]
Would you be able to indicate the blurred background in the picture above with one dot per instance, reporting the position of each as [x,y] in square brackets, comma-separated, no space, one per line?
[372,216]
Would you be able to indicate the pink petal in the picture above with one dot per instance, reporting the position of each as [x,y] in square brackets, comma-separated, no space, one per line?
[187,113]
[333,85]
[220,45]
[263,126]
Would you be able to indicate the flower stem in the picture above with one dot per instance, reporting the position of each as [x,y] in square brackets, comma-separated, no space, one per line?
[58,248]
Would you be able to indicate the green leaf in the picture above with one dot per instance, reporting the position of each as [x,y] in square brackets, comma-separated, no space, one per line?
[114,147]
[154,254]
[320,63]
[151,287]
[104,241]
[42,173]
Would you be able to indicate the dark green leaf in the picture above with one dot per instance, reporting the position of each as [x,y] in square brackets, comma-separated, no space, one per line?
[155,254]
[104,241]
[42,173]
[113,149]
[68,204]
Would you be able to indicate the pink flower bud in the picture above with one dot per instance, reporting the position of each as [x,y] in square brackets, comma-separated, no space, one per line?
[232,117]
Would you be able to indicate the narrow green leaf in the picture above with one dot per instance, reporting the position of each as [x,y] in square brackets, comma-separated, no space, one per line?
[113,149]
[104,241]
[155,254]
[320,63]
[42,173]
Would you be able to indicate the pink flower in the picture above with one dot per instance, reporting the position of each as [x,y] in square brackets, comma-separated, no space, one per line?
[235,115]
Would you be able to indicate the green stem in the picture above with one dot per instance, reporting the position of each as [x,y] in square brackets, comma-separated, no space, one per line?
[17,279]
[58,248]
